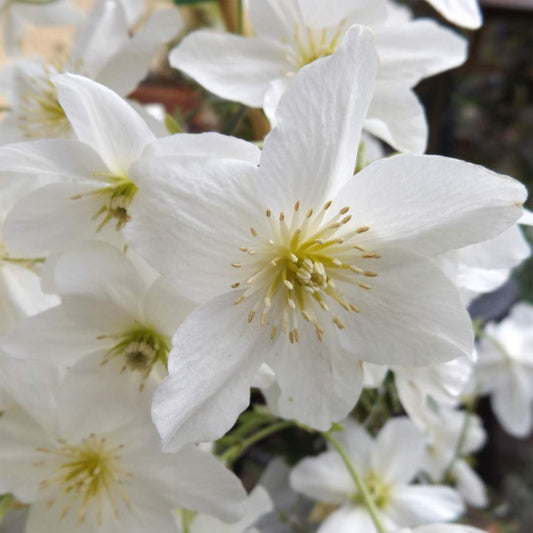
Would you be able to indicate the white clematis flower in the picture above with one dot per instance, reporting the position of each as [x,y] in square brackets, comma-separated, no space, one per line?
[110,481]
[388,465]
[293,33]
[304,266]
[505,369]
[104,51]
[466,13]
[112,330]
[16,14]
[452,436]
[90,185]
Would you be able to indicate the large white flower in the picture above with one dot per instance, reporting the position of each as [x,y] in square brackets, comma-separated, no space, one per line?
[452,436]
[103,51]
[15,14]
[303,265]
[466,13]
[293,33]
[388,465]
[110,481]
[92,185]
[112,329]
[505,369]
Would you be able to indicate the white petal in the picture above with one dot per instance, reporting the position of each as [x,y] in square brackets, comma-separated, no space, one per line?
[324,478]
[164,308]
[216,354]
[333,13]
[52,217]
[348,519]
[194,479]
[102,35]
[402,57]
[103,120]
[397,117]
[112,397]
[419,504]
[320,382]
[469,484]
[51,336]
[465,13]
[512,403]
[433,203]
[399,451]
[233,67]
[56,158]
[131,63]
[414,311]
[313,148]
[20,436]
[99,274]
[206,207]
[210,145]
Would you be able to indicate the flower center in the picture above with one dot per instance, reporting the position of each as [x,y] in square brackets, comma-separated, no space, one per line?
[40,114]
[311,44]
[379,491]
[295,269]
[141,347]
[116,198]
[87,475]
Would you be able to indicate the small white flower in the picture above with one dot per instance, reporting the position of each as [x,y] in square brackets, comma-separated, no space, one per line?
[452,436]
[103,50]
[112,330]
[388,465]
[304,266]
[114,480]
[291,34]
[505,369]
[466,13]
[16,14]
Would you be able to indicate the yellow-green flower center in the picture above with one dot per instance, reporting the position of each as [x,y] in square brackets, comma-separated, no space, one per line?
[141,348]
[86,475]
[294,269]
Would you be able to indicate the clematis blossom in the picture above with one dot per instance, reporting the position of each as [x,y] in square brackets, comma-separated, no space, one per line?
[505,369]
[290,34]
[111,481]
[112,330]
[300,264]
[387,464]
[103,50]
[16,14]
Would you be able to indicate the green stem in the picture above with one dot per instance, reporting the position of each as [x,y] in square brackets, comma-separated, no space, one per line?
[233,452]
[359,483]
[240,16]
[5,503]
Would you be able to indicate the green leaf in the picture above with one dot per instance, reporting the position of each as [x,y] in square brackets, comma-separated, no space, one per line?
[172,124]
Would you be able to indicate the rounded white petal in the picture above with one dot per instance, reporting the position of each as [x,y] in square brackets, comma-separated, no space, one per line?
[431,203]
[399,452]
[206,207]
[313,148]
[465,13]
[103,120]
[215,357]
[233,67]
[324,478]
[469,484]
[421,504]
